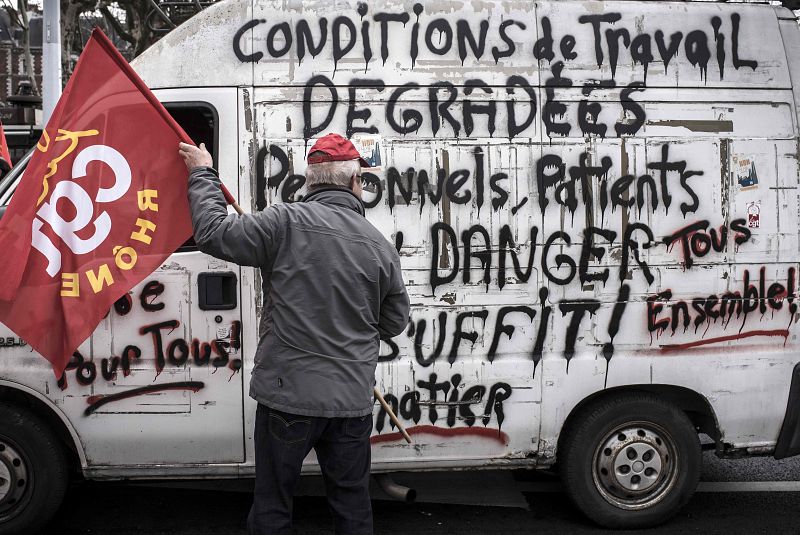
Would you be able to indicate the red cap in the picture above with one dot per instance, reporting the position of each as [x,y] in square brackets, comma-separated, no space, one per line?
[335,148]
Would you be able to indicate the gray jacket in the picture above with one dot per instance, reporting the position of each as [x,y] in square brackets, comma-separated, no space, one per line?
[332,288]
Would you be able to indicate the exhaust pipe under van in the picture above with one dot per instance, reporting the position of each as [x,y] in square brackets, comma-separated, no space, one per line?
[395,490]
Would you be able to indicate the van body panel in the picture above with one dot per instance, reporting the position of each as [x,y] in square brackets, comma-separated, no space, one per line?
[260,44]
[709,116]
[158,372]
[188,56]
[591,196]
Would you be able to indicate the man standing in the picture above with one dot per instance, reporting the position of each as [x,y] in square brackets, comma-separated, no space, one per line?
[332,288]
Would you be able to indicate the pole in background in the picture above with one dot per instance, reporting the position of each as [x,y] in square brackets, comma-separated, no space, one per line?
[51,58]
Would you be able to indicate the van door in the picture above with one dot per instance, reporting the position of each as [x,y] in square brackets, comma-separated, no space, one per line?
[162,381]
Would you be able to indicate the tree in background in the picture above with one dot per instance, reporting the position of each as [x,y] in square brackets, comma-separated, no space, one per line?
[71,34]
[133,25]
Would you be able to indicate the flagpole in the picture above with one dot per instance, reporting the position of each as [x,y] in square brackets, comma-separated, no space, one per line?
[392,415]
[51,58]
[378,395]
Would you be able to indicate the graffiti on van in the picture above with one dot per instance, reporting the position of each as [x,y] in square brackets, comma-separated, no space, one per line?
[452,109]
[159,350]
[468,38]
[516,116]
[496,257]
[449,408]
[557,185]
[542,206]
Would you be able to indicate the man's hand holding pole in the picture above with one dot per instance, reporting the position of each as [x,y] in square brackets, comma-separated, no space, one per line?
[200,157]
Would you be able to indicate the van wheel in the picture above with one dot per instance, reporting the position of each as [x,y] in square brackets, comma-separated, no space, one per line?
[33,471]
[630,461]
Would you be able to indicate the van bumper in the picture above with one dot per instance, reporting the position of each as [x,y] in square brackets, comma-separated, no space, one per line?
[789,438]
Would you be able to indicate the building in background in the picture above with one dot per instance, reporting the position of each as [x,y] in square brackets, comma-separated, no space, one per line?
[20,109]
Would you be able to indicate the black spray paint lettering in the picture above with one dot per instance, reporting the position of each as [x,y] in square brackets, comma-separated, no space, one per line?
[557,260]
[411,404]
[177,352]
[444,100]
[149,294]
[588,112]
[616,317]
[460,334]
[450,326]
[551,174]
[696,44]
[501,327]
[292,183]
[457,108]
[468,39]
[544,321]
[568,187]
[503,33]
[578,308]
[508,247]
[339,50]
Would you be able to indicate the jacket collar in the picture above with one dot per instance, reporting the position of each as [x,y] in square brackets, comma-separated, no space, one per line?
[338,196]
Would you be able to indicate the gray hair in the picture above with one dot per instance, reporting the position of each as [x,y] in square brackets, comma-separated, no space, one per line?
[319,175]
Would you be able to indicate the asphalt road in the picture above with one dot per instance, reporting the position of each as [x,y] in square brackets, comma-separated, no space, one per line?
[127,511]
[463,503]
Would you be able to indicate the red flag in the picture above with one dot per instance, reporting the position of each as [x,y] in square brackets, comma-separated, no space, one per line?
[101,205]
[5,157]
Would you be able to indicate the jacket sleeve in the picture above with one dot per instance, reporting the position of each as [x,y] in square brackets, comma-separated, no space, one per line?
[248,239]
[395,305]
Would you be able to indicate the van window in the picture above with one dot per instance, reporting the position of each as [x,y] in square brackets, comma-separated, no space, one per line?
[200,121]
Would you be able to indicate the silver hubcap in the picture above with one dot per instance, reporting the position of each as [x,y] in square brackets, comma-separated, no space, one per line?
[5,480]
[635,465]
[13,477]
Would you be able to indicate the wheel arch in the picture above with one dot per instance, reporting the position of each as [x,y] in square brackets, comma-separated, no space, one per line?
[52,415]
[695,405]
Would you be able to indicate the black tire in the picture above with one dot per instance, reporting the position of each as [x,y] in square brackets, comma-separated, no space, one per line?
[616,440]
[33,471]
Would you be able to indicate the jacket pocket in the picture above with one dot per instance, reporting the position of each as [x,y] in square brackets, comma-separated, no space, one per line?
[288,428]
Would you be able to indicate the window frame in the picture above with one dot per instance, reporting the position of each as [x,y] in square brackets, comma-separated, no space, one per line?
[184,104]
[189,246]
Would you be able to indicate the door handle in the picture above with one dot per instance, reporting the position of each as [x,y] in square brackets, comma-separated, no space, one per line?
[217,290]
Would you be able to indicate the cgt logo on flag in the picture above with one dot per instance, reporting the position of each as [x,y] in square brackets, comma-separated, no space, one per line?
[81,204]
[100,206]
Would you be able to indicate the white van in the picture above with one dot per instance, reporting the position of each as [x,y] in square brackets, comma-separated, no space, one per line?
[596,207]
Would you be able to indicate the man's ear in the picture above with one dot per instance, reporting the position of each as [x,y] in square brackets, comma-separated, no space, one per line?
[355,185]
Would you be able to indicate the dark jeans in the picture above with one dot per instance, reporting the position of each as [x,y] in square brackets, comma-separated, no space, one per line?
[282,441]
